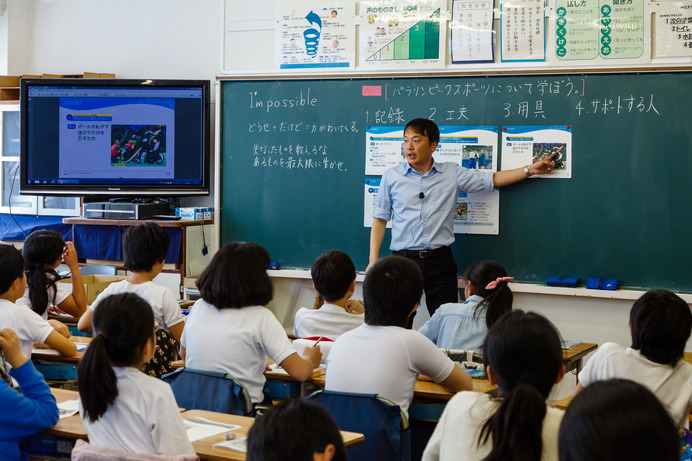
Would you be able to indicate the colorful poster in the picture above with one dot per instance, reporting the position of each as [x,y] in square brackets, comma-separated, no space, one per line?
[471,31]
[622,29]
[523,145]
[522,30]
[396,35]
[312,37]
[673,29]
[576,29]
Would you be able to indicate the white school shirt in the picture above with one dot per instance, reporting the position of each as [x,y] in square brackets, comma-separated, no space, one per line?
[235,341]
[384,360]
[27,324]
[672,385]
[161,299]
[456,435]
[144,418]
[329,320]
[63,290]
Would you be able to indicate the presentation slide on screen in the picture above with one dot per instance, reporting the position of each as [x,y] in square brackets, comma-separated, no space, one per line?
[130,139]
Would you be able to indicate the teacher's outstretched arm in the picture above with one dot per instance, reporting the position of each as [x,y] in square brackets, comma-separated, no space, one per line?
[376,237]
[507,177]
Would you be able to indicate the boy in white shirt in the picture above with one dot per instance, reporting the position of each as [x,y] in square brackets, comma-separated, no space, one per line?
[660,324]
[144,250]
[334,279]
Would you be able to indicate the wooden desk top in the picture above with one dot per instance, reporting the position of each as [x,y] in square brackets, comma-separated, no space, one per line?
[205,449]
[577,352]
[50,354]
[71,426]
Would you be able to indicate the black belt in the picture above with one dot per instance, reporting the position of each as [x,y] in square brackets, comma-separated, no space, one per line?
[423,254]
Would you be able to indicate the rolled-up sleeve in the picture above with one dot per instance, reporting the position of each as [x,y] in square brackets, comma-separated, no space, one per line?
[383,203]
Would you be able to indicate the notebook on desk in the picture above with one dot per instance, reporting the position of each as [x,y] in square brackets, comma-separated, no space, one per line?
[568,344]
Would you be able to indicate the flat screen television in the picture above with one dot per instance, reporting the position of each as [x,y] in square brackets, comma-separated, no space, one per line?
[114,137]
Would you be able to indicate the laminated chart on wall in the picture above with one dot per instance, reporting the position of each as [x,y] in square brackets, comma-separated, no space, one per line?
[471,31]
[522,145]
[576,29]
[522,30]
[315,37]
[402,36]
[673,29]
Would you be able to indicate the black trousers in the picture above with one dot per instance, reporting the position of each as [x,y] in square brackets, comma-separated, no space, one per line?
[439,278]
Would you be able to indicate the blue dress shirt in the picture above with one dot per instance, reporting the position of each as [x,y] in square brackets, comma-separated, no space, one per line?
[452,326]
[428,222]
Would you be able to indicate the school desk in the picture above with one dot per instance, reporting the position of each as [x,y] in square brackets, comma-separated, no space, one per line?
[573,357]
[70,427]
[53,356]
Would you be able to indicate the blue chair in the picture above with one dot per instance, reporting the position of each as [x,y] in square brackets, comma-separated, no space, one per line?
[209,390]
[385,426]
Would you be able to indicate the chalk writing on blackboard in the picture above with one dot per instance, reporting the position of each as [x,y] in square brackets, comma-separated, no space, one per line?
[300,99]
[295,156]
[301,127]
[620,105]
[565,87]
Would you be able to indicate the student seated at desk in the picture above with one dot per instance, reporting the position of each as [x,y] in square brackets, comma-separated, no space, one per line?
[121,407]
[27,324]
[382,356]
[43,252]
[229,329]
[334,279]
[617,420]
[464,325]
[660,325]
[144,251]
[22,413]
[523,357]
[298,428]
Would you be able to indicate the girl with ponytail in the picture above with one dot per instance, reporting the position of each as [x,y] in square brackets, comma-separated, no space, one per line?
[464,325]
[523,357]
[121,407]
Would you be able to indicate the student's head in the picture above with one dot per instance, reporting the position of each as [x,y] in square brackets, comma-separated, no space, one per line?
[11,268]
[237,277]
[391,291]
[333,274]
[124,336]
[297,427]
[144,246]
[617,420]
[424,127]
[488,279]
[523,356]
[42,252]
[661,323]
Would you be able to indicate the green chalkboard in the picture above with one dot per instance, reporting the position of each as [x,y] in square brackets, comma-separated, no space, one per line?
[293,169]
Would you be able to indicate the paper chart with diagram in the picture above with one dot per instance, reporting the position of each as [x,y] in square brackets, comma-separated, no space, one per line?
[315,37]
[402,36]
[524,145]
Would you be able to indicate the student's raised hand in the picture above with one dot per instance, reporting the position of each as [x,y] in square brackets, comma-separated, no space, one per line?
[355,306]
[9,342]
[544,166]
[70,256]
[60,328]
[314,355]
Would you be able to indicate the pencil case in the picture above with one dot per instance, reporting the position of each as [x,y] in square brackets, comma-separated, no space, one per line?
[562,281]
[601,284]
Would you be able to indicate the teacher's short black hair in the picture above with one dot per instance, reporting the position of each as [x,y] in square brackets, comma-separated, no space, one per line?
[143,246]
[11,266]
[392,288]
[332,273]
[237,277]
[425,127]
[661,324]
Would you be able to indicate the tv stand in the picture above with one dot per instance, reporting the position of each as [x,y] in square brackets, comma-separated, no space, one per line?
[125,210]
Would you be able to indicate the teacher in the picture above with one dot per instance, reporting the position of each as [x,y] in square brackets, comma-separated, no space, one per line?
[419,196]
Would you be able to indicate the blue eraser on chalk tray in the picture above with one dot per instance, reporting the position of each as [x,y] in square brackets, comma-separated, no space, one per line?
[274,266]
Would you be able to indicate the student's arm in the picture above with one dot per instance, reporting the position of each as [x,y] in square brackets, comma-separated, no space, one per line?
[60,327]
[301,368]
[376,237]
[61,344]
[182,352]
[84,323]
[578,389]
[507,177]
[355,306]
[74,304]
[457,381]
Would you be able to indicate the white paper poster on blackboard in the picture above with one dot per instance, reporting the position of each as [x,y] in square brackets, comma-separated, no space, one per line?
[523,145]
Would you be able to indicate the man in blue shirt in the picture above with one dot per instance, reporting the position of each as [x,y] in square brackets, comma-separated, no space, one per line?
[419,196]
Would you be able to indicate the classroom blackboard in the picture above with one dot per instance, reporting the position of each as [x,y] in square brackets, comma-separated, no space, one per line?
[293,163]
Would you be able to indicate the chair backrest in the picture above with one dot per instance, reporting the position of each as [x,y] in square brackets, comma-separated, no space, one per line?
[97,269]
[385,426]
[83,451]
[209,390]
